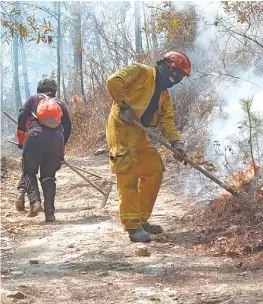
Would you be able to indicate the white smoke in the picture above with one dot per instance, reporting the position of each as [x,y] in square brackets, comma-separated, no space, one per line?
[227,118]
[224,126]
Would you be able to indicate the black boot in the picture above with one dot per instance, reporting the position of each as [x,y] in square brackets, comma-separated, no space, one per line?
[50,217]
[49,192]
[33,195]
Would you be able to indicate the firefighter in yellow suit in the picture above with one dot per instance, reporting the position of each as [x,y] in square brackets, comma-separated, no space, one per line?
[140,92]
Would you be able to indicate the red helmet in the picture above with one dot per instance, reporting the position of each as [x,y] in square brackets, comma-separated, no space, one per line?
[178,60]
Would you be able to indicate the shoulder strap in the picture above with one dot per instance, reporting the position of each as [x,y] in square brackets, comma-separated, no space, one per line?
[40,97]
[57,100]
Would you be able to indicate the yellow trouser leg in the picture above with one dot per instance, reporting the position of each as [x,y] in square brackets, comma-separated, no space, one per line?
[127,184]
[132,156]
[150,168]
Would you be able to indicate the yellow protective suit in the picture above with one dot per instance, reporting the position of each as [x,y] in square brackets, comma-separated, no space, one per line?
[137,164]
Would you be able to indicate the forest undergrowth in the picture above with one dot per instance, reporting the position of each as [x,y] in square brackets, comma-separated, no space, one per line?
[233,225]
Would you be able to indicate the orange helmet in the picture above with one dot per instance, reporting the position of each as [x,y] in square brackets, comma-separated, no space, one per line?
[178,60]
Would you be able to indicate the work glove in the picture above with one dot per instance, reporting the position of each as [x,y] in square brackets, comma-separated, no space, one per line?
[126,113]
[21,135]
[179,147]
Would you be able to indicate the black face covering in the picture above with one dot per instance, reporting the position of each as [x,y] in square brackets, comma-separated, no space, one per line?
[174,80]
[166,79]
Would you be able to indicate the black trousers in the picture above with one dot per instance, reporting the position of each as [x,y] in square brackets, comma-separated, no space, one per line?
[22,184]
[42,150]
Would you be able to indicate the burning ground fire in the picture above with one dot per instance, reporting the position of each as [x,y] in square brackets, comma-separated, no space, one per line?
[77,99]
[244,180]
[233,226]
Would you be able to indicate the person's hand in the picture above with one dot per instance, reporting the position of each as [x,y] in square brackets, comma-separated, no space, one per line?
[126,113]
[21,135]
[179,147]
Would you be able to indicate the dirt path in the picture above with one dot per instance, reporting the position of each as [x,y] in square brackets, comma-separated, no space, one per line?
[86,257]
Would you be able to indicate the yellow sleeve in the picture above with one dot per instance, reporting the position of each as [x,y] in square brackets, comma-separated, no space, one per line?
[166,123]
[120,80]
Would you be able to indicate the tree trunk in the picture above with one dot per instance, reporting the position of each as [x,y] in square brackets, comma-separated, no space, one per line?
[154,35]
[63,85]
[81,77]
[17,95]
[58,48]
[62,72]
[98,43]
[145,29]
[23,57]
[1,67]
[138,36]
[124,38]
[2,81]
[77,42]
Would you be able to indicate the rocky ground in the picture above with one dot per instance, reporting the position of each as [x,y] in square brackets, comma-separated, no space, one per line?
[86,257]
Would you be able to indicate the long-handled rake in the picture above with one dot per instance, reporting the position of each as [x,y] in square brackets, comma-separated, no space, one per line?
[189,161]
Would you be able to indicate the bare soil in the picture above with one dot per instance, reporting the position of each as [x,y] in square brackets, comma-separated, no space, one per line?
[86,256]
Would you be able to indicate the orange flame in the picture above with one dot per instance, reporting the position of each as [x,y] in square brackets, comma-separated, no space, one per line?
[77,98]
[241,178]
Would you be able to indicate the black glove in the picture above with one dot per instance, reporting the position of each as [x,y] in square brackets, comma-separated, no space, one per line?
[179,147]
[20,146]
[126,113]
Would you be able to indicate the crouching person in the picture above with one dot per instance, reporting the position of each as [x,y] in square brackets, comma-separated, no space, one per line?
[43,148]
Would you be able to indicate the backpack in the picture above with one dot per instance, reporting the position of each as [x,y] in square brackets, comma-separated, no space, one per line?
[48,111]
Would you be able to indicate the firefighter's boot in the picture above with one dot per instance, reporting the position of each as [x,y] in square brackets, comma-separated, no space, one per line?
[34,209]
[20,200]
[153,229]
[49,191]
[139,235]
[50,217]
[33,195]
